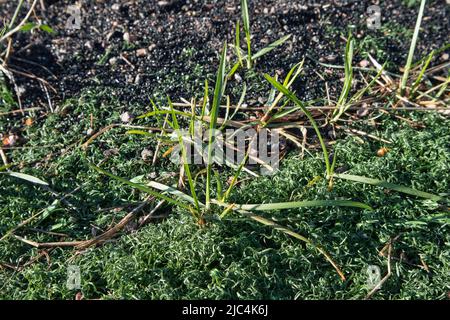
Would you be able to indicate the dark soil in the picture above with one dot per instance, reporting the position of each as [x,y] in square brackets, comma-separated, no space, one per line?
[182,39]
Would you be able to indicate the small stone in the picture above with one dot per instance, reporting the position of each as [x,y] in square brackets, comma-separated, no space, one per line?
[89,45]
[89,132]
[237,77]
[115,7]
[126,117]
[10,140]
[137,80]
[146,154]
[112,61]
[163,3]
[126,37]
[111,152]
[364,63]
[445,56]
[141,52]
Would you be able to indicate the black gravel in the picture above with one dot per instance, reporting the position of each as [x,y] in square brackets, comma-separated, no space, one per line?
[173,45]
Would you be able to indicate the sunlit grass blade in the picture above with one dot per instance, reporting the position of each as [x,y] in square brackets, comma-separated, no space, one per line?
[293,74]
[290,78]
[412,48]
[236,176]
[444,86]
[26,177]
[164,112]
[205,110]
[219,185]
[389,185]
[300,104]
[270,47]
[141,188]
[422,72]
[218,92]
[347,81]
[174,192]
[246,20]
[5,167]
[16,13]
[302,204]
[237,44]
[182,145]
[227,113]
[149,134]
[155,108]
[240,102]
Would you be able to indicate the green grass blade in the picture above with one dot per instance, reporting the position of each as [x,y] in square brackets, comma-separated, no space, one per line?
[16,13]
[388,185]
[218,92]
[302,204]
[291,76]
[412,48]
[205,101]
[3,168]
[141,188]
[348,80]
[236,175]
[187,169]
[26,177]
[240,102]
[174,192]
[422,72]
[246,20]
[237,44]
[164,112]
[155,108]
[294,99]
[270,47]
[444,86]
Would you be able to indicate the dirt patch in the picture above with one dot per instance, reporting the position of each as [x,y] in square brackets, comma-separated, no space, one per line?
[135,47]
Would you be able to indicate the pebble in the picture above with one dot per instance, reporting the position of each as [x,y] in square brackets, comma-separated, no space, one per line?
[141,52]
[146,154]
[364,63]
[138,79]
[126,117]
[112,61]
[89,132]
[163,3]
